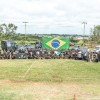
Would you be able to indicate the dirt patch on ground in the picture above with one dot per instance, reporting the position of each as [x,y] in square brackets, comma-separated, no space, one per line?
[52,91]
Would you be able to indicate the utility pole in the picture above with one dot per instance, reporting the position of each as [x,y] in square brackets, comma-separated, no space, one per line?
[25,30]
[84,23]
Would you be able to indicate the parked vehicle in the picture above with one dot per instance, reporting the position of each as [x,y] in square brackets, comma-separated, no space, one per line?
[38,44]
[21,52]
[97,49]
[29,47]
[76,47]
[85,52]
[8,45]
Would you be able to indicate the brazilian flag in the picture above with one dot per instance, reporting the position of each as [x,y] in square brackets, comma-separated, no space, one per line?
[55,43]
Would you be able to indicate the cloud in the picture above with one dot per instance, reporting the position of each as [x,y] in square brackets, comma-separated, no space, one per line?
[51,16]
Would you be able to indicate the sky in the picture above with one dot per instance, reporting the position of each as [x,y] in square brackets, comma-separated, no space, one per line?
[51,16]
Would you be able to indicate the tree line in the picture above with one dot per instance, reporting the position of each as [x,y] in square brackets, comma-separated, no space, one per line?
[8,32]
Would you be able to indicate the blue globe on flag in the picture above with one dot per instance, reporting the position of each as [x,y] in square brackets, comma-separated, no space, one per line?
[55,43]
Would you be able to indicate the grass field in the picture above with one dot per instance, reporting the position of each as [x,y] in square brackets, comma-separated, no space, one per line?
[49,80]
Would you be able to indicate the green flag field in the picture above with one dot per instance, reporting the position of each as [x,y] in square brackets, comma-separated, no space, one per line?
[55,43]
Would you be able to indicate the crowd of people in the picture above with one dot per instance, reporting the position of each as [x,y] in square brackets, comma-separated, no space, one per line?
[51,54]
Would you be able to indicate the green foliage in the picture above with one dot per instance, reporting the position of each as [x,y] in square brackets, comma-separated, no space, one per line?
[7,31]
[96,34]
[80,42]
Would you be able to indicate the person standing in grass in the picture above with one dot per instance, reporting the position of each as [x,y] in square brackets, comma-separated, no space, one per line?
[99,56]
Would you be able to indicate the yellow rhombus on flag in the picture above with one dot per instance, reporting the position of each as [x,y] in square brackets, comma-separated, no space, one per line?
[55,43]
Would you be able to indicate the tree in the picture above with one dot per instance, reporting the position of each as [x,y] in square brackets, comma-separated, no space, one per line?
[12,28]
[96,34]
[3,30]
[8,31]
